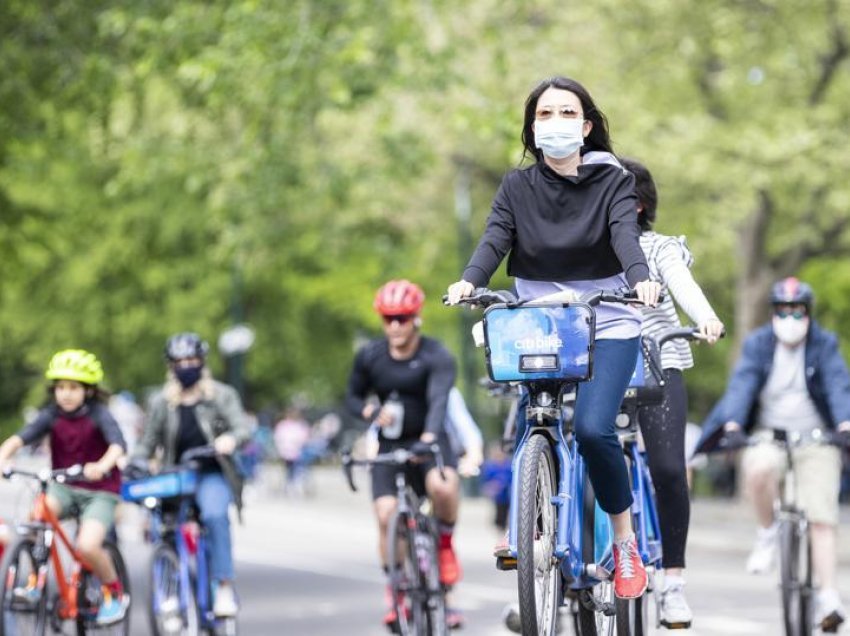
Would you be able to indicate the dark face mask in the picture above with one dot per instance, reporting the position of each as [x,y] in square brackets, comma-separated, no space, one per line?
[188,376]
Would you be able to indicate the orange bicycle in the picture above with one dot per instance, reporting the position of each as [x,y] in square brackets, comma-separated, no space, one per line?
[30,601]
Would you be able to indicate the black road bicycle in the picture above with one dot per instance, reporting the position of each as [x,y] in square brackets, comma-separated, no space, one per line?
[418,595]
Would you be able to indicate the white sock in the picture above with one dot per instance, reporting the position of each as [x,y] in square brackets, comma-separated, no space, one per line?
[673,581]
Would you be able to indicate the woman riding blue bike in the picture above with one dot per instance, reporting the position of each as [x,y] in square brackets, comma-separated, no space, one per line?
[569,223]
[191,411]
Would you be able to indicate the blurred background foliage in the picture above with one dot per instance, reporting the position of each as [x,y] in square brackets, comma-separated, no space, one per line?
[183,165]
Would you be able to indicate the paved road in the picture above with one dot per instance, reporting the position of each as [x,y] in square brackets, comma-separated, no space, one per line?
[307,566]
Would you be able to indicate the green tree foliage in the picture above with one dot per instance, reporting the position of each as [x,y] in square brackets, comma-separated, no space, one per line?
[152,154]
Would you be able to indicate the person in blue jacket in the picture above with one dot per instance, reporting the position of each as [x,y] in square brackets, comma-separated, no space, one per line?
[790,376]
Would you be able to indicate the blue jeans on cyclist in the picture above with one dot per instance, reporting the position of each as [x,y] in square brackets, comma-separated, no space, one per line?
[214,498]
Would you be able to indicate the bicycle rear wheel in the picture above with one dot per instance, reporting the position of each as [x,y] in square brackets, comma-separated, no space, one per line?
[166,611]
[538,574]
[24,601]
[89,590]
[795,555]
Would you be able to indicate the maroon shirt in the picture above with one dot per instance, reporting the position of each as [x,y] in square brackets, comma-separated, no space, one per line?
[78,438]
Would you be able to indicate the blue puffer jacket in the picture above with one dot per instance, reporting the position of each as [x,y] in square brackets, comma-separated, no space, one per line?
[827,379]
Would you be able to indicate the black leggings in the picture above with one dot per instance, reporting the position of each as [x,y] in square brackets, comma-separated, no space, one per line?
[663,429]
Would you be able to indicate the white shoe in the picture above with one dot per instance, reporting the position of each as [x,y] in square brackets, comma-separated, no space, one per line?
[829,611]
[675,613]
[763,556]
[225,602]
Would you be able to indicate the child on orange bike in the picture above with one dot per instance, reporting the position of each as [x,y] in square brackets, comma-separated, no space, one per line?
[81,431]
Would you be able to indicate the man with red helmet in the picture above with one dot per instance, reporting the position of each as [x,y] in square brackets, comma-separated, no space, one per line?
[411,375]
[790,377]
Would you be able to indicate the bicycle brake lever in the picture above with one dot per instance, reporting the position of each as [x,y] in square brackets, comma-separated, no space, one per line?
[438,457]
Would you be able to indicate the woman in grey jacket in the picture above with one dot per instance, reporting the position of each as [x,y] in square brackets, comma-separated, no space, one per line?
[190,411]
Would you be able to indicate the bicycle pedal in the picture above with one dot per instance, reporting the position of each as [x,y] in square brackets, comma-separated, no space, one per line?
[831,623]
[505,563]
[679,625]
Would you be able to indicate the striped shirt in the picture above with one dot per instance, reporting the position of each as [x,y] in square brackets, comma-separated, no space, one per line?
[669,262]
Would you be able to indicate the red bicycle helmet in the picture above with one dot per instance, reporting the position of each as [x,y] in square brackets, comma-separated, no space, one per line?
[399,298]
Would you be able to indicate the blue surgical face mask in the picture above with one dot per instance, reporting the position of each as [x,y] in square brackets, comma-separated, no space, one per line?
[558,137]
[188,376]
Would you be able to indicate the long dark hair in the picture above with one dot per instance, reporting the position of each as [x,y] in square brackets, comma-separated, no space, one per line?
[646,191]
[598,139]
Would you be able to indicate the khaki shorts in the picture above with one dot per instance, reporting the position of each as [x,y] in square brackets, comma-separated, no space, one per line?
[817,471]
[90,504]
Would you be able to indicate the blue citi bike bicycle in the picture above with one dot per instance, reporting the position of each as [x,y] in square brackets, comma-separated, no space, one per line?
[180,602]
[559,540]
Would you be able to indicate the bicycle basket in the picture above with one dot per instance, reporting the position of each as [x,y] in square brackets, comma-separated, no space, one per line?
[182,482]
[539,342]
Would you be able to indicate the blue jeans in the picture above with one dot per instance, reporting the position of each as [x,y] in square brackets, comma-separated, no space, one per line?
[214,498]
[597,404]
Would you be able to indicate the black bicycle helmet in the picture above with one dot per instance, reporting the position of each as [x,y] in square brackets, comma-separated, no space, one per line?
[791,291]
[185,345]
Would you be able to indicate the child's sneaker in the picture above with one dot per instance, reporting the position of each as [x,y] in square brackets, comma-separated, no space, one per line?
[113,608]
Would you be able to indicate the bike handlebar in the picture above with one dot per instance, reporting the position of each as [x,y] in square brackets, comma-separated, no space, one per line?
[483,297]
[686,333]
[794,439]
[397,457]
[199,452]
[45,475]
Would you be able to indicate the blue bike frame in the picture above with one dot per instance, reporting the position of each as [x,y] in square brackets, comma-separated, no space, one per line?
[569,502]
[184,554]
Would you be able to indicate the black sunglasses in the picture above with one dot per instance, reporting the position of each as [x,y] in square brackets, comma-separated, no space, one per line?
[401,319]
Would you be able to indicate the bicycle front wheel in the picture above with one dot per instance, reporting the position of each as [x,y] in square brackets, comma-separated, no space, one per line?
[795,555]
[403,577]
[172,610]
[422,552]
[24,596]
[538,574]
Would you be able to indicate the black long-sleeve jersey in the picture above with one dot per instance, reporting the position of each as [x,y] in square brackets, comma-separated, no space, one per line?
[422,382]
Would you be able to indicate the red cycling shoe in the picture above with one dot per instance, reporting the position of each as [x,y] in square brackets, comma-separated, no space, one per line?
[450,571]
[630,578]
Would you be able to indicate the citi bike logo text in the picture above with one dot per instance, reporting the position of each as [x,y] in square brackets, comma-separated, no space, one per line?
[551,342]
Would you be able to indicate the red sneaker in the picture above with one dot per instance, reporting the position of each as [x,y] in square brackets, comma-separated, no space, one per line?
[449,565]
[629,574]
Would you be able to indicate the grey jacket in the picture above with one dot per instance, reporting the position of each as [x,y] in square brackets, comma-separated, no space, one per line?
[219,412]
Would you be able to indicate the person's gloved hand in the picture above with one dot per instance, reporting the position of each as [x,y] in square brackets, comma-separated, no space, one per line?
[733,439]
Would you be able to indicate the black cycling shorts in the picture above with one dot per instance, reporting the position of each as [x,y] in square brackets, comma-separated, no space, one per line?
[383,475]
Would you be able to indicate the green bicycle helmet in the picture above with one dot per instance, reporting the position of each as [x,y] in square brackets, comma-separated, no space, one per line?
[75,364]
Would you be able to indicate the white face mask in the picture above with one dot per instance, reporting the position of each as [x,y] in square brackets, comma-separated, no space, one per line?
[558,137]
[789,330]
